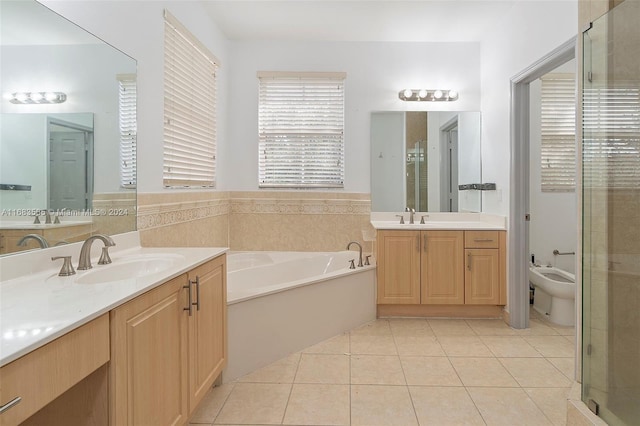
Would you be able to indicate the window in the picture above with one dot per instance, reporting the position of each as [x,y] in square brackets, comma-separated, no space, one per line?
[301,130]
[189,109]
[128,129]
[558,122]
[611,136]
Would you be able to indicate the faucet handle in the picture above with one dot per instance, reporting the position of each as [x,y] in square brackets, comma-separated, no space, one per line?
[36,220]
[401,218]
[105,259]
[353,263]
[67,267]
[366,260]
[422,219]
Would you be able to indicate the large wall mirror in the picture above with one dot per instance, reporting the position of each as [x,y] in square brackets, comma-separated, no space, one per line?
[61,162]
[427,161]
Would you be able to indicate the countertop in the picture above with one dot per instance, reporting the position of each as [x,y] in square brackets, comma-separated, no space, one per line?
[439,221]
[40,306]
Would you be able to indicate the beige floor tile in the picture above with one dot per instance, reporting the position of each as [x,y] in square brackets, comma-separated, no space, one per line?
[552,402]
[318,405]
[335,345]
[381,405]
[445,406]
[376,370]
[551,346]
[509,346]
[565,365]
[507,406]
[429,371]
[536,328]
[482,372]
[535,373]
[563,330]
[373,345]
[450,327]
[323,368]
[490,327]
[281,371]
[212,403]
[418,346]
[410,327]
[374,328]
[255,403]
[464,346]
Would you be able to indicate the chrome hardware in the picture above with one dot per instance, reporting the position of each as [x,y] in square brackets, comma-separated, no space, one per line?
[36,220]
[417,243]
[85,252]
[483,240]
[189,299]
[422,218]
[469,261]
[401,218]
[39,238]
[411,213]
[359,250]
[67,267]
[47,216]
[105,259]
[56,220]
[366,260]
[424,238]
[353,263]
[15,401]
[197,283]
[557,253]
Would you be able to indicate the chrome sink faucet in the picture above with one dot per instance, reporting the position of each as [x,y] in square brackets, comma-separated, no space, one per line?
[360,252]
[85,252]
[411,213]
[39,238]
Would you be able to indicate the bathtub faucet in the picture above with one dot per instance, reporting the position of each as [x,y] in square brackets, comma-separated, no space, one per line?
[359,249]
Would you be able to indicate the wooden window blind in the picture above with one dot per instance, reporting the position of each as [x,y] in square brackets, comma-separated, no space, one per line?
[611,136]
[558,121]
[189,109]
[301,130]
[127,124]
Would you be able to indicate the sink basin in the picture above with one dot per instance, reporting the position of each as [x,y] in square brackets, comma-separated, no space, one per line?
[129,268]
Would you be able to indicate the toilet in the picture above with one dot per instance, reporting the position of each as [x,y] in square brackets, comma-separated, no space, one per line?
[555,294]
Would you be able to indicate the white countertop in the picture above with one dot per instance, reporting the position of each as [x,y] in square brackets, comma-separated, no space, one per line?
[39,307]
[439,221]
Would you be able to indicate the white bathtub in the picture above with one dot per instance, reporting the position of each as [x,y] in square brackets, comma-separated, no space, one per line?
[283,302]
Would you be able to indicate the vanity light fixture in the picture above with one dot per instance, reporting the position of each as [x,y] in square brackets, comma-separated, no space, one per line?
[35,97]
[428,95]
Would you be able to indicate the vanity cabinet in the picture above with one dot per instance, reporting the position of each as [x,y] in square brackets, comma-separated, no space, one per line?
[168,347]
[424,272]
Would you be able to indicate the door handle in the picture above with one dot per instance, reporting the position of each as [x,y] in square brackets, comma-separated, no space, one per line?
[469,261]
[197,283]
[424,237]
[15,401]
[190,299]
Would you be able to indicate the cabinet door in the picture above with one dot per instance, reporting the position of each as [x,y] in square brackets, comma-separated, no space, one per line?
[148,383]
[207,327]
[482,279]
[442,264]
[398,271]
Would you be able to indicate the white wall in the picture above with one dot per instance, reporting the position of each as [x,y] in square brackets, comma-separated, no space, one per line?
[553,214]
[137,28]
[376,72]
[530,31]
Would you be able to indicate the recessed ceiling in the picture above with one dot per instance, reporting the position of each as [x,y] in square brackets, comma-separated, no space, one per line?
[358,20]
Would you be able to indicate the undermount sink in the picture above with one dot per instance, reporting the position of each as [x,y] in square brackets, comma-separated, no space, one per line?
[130,268]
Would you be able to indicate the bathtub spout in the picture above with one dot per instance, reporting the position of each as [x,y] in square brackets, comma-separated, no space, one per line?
[360,265]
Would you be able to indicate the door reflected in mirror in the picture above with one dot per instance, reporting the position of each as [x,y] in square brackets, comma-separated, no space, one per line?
[419,159]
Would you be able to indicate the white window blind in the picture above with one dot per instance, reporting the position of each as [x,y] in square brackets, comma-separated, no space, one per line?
[558,120]
[301,130]
[189,109]
[611,136]
[128,129]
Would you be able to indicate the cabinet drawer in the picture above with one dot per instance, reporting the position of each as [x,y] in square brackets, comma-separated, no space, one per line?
[44,374]
[481,239]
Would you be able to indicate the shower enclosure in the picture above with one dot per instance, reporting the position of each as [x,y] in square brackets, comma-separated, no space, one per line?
[611,216]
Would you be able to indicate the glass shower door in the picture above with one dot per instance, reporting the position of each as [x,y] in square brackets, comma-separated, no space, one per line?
[611,216]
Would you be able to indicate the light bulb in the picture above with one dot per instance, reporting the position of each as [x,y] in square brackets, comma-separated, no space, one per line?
[36,96]
[50,96]
[437,94]
[422,93]
[22,97]
[7,96]
[408,93]
[453,94]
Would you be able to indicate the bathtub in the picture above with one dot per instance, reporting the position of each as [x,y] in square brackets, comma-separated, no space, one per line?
[282,302]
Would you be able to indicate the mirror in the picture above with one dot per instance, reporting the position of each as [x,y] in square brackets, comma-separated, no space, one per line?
[62,161]
[425,160]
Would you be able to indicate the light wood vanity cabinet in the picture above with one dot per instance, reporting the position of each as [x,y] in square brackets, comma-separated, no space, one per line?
[440,268]
[165,357]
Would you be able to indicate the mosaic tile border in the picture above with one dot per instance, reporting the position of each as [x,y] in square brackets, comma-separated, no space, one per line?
[303,206]
[158,215]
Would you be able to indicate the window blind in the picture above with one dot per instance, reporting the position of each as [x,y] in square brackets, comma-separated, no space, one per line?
[189,109]
[558,121]
[611,136]
[128,129]
[301,130]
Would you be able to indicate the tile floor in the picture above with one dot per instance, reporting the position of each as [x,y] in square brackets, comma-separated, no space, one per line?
[409,372]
